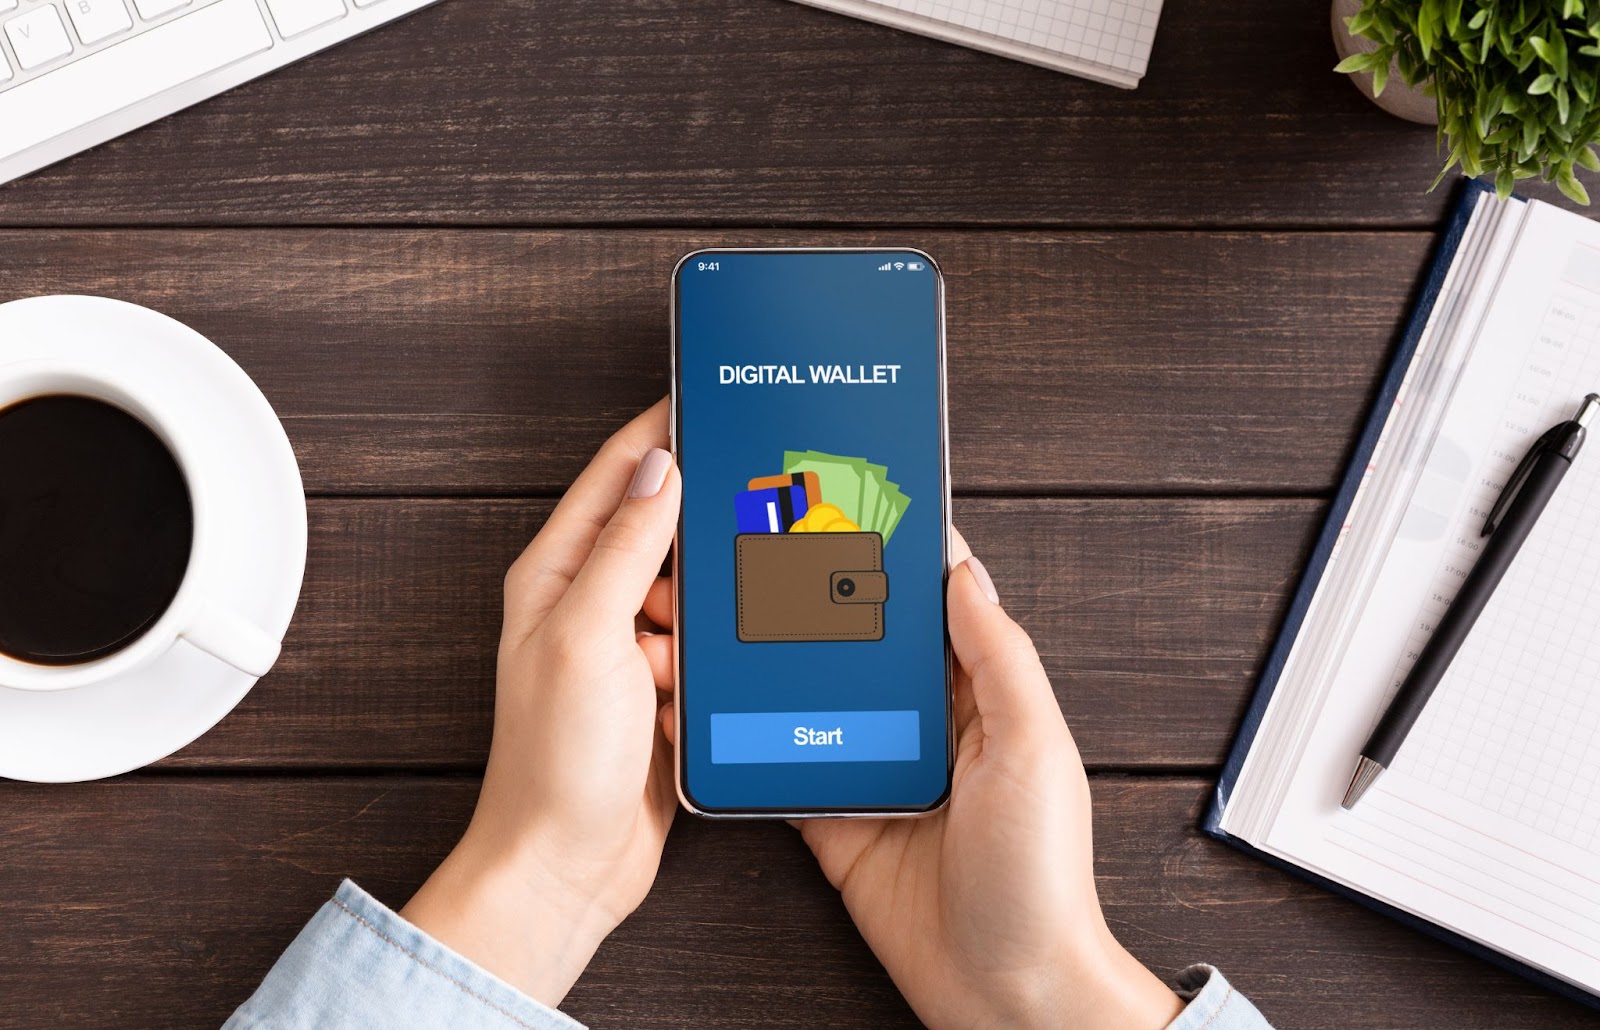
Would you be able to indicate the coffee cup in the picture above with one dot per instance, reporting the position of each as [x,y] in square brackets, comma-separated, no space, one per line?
[193,616]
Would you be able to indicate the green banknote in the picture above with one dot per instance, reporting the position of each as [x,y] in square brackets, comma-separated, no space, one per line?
[857,487]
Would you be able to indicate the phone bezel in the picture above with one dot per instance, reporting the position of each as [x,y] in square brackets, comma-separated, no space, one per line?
[680,751]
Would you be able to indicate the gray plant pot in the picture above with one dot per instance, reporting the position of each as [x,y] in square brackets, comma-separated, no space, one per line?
[1398,99]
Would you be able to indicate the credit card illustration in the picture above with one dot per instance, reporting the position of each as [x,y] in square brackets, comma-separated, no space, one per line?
[770,510]
[807,481]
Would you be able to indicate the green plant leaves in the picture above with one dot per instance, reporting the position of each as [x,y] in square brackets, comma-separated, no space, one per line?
[1360,22]
[1426,27]
[1517,82]
[1358,63]
[1568,184]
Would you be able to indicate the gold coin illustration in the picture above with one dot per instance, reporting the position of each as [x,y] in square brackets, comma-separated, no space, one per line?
[824,518]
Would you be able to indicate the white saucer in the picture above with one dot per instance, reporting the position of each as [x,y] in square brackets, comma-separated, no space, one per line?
[260,518]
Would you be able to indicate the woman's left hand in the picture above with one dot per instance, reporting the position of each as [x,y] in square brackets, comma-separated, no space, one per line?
[578,795]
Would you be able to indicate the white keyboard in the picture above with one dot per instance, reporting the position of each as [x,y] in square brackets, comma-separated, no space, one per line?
[75,73]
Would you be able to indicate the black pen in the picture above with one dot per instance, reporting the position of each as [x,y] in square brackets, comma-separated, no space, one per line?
[1525,495]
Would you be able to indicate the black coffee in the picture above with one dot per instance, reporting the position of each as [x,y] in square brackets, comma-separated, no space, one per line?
[95,528]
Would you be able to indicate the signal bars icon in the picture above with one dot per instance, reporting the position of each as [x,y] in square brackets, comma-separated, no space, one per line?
[886,266]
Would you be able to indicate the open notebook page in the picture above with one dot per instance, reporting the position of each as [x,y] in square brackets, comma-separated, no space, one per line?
[1105,40]
[1488,822]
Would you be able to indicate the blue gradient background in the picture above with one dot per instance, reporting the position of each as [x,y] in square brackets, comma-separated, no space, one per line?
[804,308]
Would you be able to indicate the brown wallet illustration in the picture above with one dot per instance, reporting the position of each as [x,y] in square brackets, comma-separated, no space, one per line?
[810,586]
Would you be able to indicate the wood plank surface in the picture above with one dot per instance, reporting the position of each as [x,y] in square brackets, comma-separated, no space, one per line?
[755,112]
[154,902]
[443,250]
[1152,617]
[489,362]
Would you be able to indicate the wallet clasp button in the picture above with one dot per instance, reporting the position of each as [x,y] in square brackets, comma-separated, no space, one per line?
[858,586]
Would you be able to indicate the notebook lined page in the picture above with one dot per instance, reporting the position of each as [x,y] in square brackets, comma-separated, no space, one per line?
[1488,822]
[1111,36]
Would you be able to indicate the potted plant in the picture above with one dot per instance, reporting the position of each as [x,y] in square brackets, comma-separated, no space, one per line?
[1514,84]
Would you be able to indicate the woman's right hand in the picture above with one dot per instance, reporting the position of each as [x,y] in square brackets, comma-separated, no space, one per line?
[985,913]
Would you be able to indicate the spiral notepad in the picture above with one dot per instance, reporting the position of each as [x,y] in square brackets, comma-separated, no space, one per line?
[1105,40]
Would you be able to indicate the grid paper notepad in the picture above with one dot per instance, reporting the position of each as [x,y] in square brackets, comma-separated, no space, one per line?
[1531,754]
[1105,40]
[1487,823]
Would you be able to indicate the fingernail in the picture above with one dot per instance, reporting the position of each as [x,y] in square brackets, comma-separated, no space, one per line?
[985,583]
[652,472]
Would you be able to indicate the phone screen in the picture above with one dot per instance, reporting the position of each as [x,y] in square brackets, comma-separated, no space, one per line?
[812,546]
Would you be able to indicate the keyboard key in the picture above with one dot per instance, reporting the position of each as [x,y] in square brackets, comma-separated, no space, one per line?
[37,37]
[98,19]
[7,5]
[359,3]
[156,8]
[151,62]
[297,16]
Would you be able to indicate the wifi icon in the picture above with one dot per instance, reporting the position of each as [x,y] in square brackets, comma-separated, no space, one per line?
[899,266]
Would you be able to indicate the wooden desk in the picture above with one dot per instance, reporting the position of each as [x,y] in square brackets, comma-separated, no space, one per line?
[443,250]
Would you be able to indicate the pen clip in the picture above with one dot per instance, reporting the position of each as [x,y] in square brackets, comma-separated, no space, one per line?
[1520,476]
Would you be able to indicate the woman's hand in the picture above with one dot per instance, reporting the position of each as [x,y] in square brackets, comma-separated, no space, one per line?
[578,794]
[985,913]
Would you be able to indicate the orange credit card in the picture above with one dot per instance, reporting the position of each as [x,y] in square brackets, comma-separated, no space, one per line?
[809,480]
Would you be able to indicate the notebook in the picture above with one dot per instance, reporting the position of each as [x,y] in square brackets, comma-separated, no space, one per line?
[1104,40]
[1486,828]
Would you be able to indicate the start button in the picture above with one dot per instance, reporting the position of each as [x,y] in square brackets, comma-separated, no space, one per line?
[763,737]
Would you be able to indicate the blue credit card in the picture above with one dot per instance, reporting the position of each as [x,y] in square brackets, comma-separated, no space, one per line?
[772,510]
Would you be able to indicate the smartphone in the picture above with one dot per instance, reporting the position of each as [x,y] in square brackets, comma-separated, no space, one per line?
[808,419]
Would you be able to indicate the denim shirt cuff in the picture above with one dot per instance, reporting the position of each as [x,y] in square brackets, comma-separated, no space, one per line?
[358,964]
[1213,1003]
